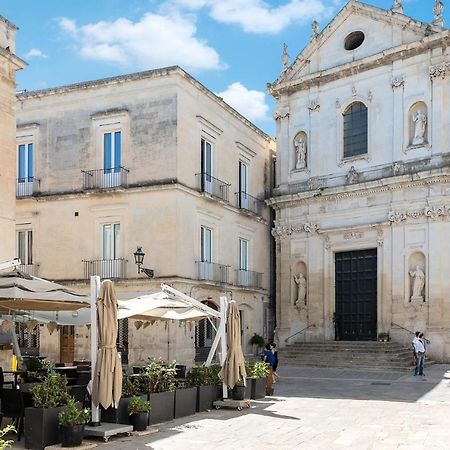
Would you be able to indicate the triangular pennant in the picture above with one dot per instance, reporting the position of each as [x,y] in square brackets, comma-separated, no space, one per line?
[30,324]
[190,325]
[146,324]
[88,325]
[6,326]
[138,324]
[52,326]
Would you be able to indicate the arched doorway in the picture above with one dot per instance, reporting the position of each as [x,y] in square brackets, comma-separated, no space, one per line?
[204,335]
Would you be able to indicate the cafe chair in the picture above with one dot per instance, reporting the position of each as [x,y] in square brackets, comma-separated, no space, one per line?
[2,380]
[79,393]
[12,407]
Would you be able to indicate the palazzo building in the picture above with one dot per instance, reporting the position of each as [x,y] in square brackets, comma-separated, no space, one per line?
[152,160]
[9,64]
[363,180]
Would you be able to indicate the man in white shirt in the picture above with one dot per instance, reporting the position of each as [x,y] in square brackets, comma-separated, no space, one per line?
[420,355]
[413,344]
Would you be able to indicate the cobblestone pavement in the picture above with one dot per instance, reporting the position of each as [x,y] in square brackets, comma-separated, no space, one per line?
[321,409]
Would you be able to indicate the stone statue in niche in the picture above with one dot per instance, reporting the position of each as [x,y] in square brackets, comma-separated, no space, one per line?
[300,150]
[418,283]
[300,281]
[420,120]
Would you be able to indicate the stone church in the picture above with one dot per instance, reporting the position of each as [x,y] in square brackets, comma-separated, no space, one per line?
[362,190]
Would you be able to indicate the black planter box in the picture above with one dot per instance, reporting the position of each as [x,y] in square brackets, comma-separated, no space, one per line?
[162,404]
[185,402]
[139,421]
[258,387]
[72,436]
[119,414]
[41,427]
[206,395]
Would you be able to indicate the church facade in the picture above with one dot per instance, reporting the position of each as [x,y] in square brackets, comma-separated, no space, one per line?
[363,181]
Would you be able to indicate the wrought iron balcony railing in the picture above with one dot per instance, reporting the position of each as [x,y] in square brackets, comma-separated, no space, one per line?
[27,186]
[30,269]
[248,203]
[249,278]
[213,272]
[213,186]
[105,268]
[105,178]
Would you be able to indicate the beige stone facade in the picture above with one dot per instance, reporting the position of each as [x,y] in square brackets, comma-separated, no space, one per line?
[119,165]
[9,64]
[381,198]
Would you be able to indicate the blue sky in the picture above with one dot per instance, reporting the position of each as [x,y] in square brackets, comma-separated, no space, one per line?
[232,46]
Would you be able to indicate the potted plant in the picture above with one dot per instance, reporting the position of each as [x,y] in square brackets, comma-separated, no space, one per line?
[239,389]
[159,380]
[257,342]
[130,388]
[138,410]
[36,368]
[257,374]
[206,379]
[3,442]
[71,421]
[41,421]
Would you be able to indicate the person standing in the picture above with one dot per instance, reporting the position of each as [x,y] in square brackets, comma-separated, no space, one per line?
[269,358]
[420,355]
[413,344]
[276,377]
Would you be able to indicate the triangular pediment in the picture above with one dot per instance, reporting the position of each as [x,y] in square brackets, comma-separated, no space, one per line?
[383,30]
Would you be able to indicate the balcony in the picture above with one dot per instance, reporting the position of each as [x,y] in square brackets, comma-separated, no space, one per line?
[30,269]
[213,186]
[105,268]
[248,278]
[248,203]
[213,272]
[27,186]
[105,178]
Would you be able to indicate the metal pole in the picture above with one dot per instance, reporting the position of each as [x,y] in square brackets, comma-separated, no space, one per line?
[223,340]
[95,289]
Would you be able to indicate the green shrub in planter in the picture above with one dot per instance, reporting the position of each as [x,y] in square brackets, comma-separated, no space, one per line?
[160,376]
[51,393]
[6,443]
[72,420]
[207,380]
[138,409]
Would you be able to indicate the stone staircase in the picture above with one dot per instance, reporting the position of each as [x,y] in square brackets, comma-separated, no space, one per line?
[363,355]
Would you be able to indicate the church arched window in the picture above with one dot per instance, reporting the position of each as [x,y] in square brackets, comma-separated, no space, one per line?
[355,130]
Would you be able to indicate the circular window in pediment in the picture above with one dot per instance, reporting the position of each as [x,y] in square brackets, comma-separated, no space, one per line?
[354,40]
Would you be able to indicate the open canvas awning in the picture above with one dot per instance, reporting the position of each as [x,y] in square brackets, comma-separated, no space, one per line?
[22,292]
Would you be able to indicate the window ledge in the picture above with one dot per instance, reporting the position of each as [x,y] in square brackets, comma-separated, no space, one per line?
[351,159]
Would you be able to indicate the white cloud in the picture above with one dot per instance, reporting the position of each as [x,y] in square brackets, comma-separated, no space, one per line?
[35,53]
[250,103]
[257,16]
[155,40]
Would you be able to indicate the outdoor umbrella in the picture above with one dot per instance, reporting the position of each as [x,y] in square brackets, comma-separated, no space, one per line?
[22,292]
[107,383]
[234,366]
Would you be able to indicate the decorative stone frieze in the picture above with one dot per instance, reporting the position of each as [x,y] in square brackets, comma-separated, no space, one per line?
[434,212]
[440,70]
[431,212]
[398,81]
[282,231]
[281,115]
[314,105]
[353,235]
[396,217]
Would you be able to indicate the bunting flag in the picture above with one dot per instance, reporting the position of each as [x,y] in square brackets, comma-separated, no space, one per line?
[146,324]
[6,326]
[52,326]
[30,324]
[190,325]
[88,325]
[138,324]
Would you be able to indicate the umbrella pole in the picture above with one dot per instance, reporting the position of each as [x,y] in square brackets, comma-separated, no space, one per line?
[223,340]
[95,289]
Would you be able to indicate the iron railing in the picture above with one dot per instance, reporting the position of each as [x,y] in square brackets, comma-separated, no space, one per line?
[105,178]
[249,203]
[300,332]
[30,269]
[27,186]
[105,268]
[213,272]
[213,186]
[249,278]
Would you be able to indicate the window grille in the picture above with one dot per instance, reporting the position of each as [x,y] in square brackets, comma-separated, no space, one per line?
[28,339]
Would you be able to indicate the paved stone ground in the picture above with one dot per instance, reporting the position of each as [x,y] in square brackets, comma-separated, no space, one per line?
[315,409]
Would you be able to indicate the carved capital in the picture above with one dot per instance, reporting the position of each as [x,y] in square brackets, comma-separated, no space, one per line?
[440,70]
[314,105]
[434,212]
[398,81]
[396,217]
[281,115]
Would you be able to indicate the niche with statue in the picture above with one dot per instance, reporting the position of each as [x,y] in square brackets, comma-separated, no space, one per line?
[300,151]
[418,124]
[300,285]
[417,278]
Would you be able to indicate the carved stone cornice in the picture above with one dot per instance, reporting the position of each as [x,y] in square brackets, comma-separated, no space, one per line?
[282,231]
[430,212]
[440,70]
[398,81]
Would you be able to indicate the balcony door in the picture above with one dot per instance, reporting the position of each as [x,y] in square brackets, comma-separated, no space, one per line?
[206,267]
[207,166]
[243,185]
[243,263]
[110,251]
[112,159]
[25,247]
[67,344]
[24,169]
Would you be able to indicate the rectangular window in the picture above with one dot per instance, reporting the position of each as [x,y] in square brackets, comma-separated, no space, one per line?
[206,245]
[243,185]
[243,254]
[112,151]
[207,166]
[25,162]
[110,241]
[25,246]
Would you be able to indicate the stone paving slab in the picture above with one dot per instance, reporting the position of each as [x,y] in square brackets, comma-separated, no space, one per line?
[320,409]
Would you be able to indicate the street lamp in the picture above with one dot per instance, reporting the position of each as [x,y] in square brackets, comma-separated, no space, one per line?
[139,260]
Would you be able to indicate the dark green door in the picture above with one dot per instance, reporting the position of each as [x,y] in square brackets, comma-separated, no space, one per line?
[356,295]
